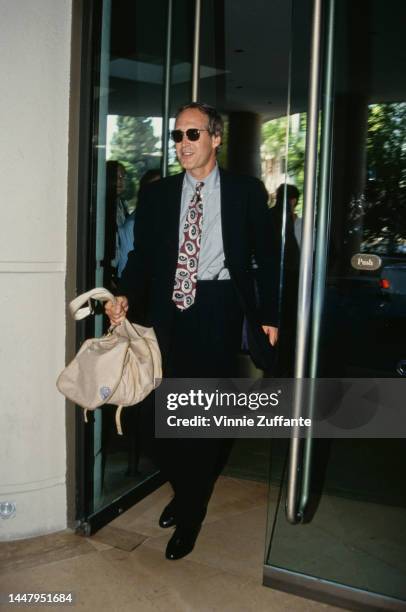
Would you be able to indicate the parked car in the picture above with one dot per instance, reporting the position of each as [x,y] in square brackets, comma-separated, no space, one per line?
[392,284]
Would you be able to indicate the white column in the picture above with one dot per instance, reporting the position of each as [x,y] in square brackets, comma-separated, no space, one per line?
[34,105]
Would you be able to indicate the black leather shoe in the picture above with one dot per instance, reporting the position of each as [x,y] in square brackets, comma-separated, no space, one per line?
[168,516]
[182,542]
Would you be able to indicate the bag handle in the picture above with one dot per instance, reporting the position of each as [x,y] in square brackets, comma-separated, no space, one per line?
[100,294]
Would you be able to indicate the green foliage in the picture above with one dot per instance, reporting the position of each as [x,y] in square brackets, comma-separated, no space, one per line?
[385,198]
[274,134]
[274,137]
[386,145]
[296,153]
[383,204]
[134,145]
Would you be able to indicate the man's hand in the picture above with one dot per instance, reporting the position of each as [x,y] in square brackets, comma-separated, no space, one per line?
[272,333]
[117,312]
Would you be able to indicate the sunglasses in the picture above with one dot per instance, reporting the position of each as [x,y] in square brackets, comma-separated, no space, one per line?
[192,134]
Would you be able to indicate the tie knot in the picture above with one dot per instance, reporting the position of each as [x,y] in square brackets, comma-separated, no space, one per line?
[199,186]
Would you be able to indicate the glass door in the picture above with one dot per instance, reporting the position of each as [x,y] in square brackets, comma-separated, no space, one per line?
[151,58]
[140,73]
[337,532]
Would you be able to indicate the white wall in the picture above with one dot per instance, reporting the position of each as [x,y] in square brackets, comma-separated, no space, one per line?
[34,76]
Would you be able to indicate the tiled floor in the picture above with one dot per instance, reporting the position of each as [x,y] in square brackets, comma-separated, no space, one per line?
[223,573]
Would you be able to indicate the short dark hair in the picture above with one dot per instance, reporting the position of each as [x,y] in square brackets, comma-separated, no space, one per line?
[291,192]
[215,124]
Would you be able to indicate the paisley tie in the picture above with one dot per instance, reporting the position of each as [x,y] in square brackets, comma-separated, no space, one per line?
[184,291]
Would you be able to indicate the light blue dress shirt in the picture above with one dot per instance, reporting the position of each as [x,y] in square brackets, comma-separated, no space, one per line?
[211,258]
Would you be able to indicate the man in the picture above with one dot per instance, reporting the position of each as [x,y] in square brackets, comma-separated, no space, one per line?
[191,278]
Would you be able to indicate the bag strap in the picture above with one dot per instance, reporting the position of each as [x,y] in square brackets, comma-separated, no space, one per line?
[118,419]
[75,305]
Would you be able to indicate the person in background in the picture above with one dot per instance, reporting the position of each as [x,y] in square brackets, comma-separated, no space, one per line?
[125,230]
[116,213]
[119,221]
[287,197]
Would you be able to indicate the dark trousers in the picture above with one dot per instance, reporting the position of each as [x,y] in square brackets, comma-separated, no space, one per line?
[206,342]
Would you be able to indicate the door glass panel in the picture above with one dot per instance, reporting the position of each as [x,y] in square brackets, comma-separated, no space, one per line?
[244,73]
[244,56]
[128,117]
[354,531]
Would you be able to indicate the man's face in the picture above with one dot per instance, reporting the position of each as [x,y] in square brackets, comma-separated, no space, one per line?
[199,156]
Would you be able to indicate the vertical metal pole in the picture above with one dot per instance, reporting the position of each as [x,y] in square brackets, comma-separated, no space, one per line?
[196,53]
[285,203]
[306,258]
[321,250]
[167,88]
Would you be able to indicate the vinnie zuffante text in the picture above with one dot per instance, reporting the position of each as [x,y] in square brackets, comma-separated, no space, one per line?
[220,399]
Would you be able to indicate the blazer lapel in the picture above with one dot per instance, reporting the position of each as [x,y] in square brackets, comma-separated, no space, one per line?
[172,215]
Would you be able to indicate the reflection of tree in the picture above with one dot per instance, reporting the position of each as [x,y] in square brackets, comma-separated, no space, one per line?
[385,205]
[274,145]
[133,144]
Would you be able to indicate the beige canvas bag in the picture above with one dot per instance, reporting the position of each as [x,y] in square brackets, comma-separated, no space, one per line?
[120,368]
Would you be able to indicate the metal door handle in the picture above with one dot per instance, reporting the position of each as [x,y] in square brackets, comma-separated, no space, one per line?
[306,259]
[296,502]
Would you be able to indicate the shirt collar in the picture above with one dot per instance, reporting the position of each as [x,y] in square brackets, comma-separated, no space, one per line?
[210,182]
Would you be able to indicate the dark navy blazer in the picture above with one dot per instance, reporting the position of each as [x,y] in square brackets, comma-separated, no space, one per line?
[248,237]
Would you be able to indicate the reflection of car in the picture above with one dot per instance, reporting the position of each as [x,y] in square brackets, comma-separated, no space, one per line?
[392,285]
